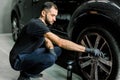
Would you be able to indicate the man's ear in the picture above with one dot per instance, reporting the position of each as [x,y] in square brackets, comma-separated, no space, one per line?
[43,13]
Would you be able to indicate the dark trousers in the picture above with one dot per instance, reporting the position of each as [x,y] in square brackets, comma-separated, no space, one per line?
[37,61]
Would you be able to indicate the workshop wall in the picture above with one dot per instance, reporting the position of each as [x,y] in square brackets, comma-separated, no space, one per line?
[5,9]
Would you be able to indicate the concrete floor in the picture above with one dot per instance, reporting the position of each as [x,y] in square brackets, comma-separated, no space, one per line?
[7,73]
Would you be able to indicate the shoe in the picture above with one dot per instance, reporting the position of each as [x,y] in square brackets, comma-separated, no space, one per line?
[23,76]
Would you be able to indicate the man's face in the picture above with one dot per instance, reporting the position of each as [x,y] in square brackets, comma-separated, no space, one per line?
[50,16]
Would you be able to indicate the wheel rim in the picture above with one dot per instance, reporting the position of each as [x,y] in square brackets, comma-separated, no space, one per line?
[95,68]
[15,28]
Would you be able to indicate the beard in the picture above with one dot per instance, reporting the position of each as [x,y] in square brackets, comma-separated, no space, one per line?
[47,21]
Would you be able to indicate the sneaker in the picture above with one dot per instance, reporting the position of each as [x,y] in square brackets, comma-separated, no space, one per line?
[23,76]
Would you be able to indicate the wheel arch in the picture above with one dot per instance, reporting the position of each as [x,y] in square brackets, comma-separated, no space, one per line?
[16,12]
[98,12]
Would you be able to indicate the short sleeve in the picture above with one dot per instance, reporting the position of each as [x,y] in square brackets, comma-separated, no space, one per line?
[37,28]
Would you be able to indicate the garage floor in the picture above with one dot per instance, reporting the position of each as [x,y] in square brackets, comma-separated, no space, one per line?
[7,73]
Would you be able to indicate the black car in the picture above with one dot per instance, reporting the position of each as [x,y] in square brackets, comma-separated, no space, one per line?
[92,23]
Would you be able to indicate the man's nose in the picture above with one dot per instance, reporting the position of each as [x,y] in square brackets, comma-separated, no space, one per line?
[54,18]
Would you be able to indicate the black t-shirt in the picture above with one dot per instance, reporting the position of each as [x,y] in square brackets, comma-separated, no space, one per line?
[30,38]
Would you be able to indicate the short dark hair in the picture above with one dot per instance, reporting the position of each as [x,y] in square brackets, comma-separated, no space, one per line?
[49,5]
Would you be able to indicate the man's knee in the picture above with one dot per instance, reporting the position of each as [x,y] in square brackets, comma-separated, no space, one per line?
[51,60]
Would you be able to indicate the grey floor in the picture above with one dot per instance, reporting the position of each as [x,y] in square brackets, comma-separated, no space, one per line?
[7,73]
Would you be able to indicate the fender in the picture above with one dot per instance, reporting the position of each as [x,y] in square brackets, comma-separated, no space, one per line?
[107,8]
[16,11]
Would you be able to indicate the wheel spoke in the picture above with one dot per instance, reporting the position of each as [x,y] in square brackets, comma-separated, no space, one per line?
[108,63]
[102,45]
[85,57]
[92,71]
[103,68]
[97,41]
[83,43]
[14,23]
[89,43]
[15,31]
[87,63]
[96,72]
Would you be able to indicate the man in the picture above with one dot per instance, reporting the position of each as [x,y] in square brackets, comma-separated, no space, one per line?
[34,50]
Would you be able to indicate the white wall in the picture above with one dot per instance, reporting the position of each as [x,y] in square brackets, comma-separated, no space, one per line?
[5,9]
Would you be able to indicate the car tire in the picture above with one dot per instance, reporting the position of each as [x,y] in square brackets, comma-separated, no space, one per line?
[15,27]
[98,68]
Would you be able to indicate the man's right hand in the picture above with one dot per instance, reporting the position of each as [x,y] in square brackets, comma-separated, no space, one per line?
[95,52]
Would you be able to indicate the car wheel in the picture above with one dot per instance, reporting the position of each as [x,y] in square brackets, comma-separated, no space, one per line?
[15,27]
[103,67]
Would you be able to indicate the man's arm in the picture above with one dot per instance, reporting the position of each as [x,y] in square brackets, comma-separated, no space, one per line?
[48,43]
[66,44]
[69,45]
[50,46]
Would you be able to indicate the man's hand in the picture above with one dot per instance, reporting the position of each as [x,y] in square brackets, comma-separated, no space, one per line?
[95,52]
